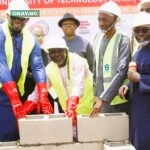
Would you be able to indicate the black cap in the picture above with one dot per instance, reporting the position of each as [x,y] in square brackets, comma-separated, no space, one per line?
[68,16]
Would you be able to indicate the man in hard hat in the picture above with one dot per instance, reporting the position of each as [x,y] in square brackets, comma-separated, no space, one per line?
[139,85]
[17,49]
[144,5]
[112,56]
[76,43]
[70,78]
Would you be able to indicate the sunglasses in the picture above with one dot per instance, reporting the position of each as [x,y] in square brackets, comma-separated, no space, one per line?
[145,9]
[143,30]
[17,18]
[54,51]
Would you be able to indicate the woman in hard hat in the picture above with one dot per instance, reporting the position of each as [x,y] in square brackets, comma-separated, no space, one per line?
[112,51]
[71,79]
[139,85]
[17,49]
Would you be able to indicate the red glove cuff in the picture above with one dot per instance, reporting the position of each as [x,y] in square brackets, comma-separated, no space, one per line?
[43,101]
[72,102]
[29,106]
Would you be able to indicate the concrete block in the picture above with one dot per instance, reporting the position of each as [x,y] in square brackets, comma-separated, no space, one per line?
[9,148]
[118,146]
[45,129]
[9,145]
[70,146]
[108,126]
[80,146]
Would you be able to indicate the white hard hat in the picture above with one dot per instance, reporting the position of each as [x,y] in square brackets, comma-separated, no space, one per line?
[141,19]
[110,7]
[143,2]
[17,5]
[56,42]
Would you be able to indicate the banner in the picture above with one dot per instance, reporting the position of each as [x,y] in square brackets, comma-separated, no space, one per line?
[35,4]
[51,11]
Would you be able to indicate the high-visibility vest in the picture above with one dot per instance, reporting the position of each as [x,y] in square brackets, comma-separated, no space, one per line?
[109,62]
[27,46]
[86,101]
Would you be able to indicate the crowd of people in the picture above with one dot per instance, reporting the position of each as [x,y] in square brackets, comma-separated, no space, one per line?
[74,75]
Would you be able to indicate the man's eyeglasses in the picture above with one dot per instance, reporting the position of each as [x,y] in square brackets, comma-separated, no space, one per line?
[17,18]
[143,30]
[55,51]
[145,9]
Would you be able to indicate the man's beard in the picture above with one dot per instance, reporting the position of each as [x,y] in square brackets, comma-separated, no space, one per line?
[15,32]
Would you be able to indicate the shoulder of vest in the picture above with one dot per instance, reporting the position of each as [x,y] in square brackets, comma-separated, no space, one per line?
[70,54]
[49,65]
[26,30]
[75,56]
[98,34]
[122,35]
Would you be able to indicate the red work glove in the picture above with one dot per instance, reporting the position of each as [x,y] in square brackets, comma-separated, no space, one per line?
[71,108]
[11,91]
[29,106]
[43,101]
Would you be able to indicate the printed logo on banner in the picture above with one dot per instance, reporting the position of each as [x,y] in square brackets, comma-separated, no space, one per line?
[84,27]
[42,24]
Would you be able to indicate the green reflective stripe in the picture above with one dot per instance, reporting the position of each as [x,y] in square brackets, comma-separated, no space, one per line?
[107,79]
[26,51]
[115,53]
[114,60]
[117,99]
[53,74]
[111,56]
[8,45]
[96,47]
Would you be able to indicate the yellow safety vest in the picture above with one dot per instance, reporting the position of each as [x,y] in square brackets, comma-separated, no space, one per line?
[86,101]
[27,46]
[109,62]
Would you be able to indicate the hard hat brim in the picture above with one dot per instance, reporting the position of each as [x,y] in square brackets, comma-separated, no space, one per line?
[141,25]
[108,13]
